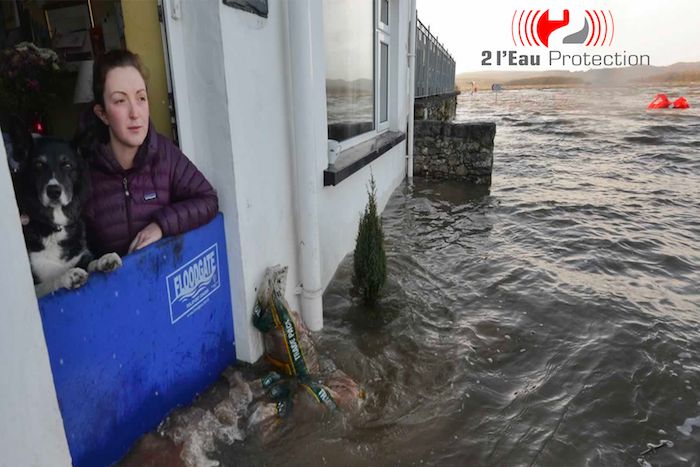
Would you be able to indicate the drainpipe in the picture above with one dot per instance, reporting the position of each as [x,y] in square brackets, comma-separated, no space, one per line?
[411,87]
[308,95]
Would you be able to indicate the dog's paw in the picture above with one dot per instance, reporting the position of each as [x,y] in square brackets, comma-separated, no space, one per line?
[74,278]
[106,263]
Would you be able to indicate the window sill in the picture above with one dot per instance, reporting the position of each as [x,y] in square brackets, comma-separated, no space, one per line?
[353,159]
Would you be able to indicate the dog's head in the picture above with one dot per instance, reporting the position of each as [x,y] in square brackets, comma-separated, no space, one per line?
[54,173]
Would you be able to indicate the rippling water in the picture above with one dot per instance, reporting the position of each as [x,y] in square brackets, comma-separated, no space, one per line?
[553,319]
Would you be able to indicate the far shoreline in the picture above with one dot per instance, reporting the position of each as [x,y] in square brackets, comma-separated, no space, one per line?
[465,88]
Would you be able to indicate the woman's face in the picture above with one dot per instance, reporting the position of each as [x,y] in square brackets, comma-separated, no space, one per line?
[126,107]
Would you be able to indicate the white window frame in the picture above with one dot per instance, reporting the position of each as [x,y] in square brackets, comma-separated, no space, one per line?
[382,38]
[379,24]
[382,33]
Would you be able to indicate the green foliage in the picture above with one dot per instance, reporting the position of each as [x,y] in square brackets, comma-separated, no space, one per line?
[370,258]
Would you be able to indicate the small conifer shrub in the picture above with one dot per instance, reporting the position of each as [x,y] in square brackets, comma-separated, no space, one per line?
[369,260]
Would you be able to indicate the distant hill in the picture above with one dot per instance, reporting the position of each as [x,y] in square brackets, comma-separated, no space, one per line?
[678,73]
[545,81]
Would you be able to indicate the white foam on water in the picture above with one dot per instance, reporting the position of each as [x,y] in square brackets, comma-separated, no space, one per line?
[688,424]
[641,461]
[684,355]
[196,430]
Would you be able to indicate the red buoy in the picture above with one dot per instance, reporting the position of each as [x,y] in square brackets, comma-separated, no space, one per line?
[681,103]
[659,102]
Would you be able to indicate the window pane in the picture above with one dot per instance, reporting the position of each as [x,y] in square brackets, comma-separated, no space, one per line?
[384,84]
[349,30]
[385,12]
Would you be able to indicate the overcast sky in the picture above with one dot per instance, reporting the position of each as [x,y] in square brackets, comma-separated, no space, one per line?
[668,31]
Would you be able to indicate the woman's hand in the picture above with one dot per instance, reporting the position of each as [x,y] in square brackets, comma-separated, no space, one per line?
[150,234]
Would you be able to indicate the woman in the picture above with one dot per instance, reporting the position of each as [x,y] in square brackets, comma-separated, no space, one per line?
[143,186]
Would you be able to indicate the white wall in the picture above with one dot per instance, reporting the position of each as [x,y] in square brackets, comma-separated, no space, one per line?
[229,70]
[31,428]
[199,84]
[234,68]
[342,205]
[258,109]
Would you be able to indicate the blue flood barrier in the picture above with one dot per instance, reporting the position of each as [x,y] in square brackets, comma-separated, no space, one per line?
[131,345]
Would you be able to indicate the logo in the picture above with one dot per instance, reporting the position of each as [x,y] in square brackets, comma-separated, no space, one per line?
[583,28]
[532,28]
[190,286]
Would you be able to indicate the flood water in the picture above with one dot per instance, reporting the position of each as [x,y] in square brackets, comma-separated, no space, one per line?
[552,319]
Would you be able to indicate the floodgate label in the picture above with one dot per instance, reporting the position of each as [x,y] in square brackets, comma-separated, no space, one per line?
[190,285]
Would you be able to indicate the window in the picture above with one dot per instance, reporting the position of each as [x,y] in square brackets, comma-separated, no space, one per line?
[349,26]
[358,68]
[384,15]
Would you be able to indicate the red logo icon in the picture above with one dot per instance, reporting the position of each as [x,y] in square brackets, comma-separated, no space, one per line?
[532,28]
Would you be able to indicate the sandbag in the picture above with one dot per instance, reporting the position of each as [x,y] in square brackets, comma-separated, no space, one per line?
[288,346]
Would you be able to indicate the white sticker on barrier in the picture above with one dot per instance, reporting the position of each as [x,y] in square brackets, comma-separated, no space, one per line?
[190,286]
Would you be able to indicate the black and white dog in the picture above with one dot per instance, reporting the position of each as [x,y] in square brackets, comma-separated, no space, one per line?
[51,187]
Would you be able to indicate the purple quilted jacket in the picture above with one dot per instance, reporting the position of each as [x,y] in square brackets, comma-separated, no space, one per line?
[163,186]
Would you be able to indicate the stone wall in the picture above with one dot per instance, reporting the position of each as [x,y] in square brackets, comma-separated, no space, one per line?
[440,107]
[454,151]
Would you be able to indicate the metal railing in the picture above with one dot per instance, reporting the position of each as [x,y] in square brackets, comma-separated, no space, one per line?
[435,67]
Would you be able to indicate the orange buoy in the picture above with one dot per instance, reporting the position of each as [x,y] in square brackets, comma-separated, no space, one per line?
[659,102]
[681,103]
